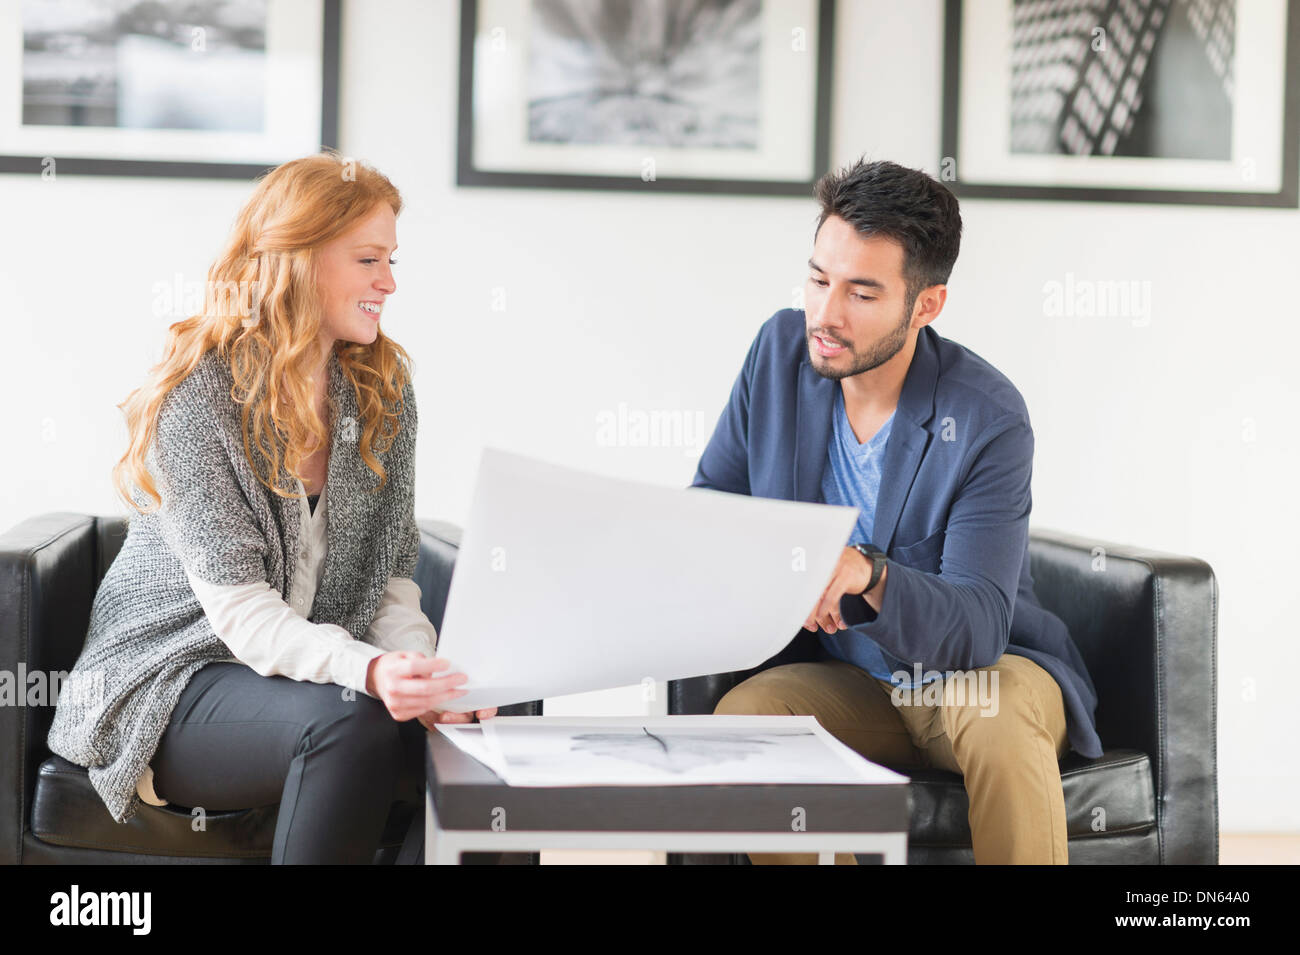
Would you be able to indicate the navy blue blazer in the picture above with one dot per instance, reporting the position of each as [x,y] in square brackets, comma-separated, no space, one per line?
[952,513]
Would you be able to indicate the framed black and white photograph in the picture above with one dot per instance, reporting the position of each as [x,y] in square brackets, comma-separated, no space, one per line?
[203,88]
[1124,100]
[726,96]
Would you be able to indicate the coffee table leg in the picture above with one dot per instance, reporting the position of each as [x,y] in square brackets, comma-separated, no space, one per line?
[438,847]
[893,852]
[896,849]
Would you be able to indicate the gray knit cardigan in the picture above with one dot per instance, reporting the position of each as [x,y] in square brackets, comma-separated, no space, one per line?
[148,633]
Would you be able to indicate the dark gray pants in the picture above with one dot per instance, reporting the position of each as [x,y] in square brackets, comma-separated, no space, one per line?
[334,765]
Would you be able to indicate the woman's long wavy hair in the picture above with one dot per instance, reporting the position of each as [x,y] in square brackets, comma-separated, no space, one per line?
[262,312]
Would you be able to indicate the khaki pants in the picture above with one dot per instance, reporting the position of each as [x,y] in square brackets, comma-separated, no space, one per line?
[1008,758]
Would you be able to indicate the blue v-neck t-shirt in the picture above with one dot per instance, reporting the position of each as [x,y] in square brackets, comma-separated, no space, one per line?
[851,477]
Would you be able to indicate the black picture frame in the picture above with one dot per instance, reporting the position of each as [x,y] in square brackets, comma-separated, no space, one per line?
[91,166]
[467,174]
[1286,196]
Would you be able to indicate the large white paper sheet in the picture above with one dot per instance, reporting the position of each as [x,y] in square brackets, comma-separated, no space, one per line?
[469,739]
[674,751]
[568,582]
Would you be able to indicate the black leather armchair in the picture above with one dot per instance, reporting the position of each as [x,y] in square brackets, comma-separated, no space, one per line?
[50,567]
[1146,625]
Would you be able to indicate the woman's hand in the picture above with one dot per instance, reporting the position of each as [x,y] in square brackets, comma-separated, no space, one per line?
[408,683]
[433,717]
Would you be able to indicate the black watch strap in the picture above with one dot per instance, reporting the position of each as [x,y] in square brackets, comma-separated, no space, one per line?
[877,559]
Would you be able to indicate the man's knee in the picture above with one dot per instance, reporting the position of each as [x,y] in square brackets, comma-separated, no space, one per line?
[774,692]
[746,700]
[997,706]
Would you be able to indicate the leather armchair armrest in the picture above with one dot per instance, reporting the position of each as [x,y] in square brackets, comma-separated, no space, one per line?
[47,585]
[1146,624]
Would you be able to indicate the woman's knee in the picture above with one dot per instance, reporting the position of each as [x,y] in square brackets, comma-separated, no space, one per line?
[356,720]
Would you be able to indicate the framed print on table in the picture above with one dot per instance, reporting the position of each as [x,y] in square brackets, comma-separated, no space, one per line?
[213,88]
[1176,101]
[723,96]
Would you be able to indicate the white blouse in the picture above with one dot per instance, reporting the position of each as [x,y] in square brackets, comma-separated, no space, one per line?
[275,638]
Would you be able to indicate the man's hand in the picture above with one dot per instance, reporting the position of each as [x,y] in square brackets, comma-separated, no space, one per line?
[851,576]
[433,717]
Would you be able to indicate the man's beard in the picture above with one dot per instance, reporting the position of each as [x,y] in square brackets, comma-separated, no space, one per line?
[880,353]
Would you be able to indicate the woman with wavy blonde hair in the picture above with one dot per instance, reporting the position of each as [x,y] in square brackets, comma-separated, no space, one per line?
[259,637]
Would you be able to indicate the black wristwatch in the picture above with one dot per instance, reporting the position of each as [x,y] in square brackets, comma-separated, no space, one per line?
[877,559]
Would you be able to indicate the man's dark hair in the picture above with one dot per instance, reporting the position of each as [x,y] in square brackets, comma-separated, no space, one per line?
[886,199]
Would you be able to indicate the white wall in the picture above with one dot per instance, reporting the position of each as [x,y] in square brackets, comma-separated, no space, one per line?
[652,302]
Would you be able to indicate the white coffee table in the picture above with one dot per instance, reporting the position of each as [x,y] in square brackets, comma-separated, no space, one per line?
[468,808]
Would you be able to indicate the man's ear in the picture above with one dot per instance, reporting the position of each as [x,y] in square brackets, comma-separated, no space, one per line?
[929,303]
